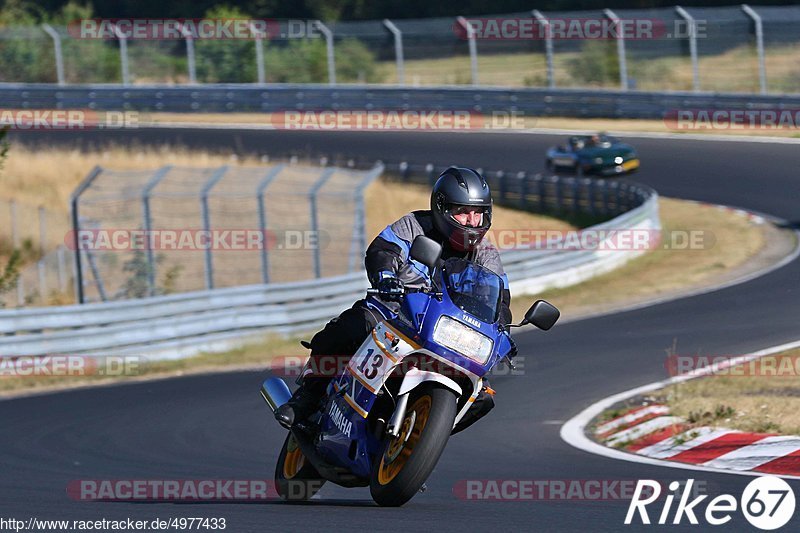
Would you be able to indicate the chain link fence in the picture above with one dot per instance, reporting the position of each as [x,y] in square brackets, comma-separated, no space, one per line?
[729,49]
[147,233]
[46,271]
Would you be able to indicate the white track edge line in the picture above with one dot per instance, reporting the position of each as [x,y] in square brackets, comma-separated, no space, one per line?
[573,431]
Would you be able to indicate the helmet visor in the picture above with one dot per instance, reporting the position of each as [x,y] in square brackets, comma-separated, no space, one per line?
[468,216]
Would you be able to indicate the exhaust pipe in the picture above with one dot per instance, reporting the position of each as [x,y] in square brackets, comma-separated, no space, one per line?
[275,392]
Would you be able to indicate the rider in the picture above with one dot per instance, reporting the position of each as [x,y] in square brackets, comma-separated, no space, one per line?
[459,217]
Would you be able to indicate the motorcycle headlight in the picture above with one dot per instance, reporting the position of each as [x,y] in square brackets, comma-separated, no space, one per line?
[455,336]
[618,160]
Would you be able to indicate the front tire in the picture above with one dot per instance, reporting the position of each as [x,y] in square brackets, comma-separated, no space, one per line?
[296,479]
[406,461]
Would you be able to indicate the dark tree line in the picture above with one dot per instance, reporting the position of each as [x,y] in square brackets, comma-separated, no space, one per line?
[362,9]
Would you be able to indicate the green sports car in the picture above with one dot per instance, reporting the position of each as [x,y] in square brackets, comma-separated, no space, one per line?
[598,154]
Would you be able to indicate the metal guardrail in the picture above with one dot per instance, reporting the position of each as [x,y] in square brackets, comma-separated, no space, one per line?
[183,324]
[273,98]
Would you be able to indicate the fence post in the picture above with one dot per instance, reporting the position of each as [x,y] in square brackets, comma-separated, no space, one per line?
[762,68]
[42,229]
[42,280]
[147,223]
[548,46]
[57,51]
[262,216]
[123,54]
[473,48]
[215,177]
[692,45]
[312,200]
[190,60]
[259,54]
[623,64]
[14,229]
[329,48]
[62,275]
[398,50]
[358,243]
[76,228]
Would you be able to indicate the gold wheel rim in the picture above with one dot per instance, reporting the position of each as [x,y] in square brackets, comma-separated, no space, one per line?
[401,447]
[294,461]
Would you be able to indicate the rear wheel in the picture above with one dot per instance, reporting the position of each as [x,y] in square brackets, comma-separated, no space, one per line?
[295,478]
[408,460]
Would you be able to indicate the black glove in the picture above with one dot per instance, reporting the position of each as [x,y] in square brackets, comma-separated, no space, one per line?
[389,286]
[513,351]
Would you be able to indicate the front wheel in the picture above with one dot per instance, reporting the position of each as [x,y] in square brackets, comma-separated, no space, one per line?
[407,460]
[296,479]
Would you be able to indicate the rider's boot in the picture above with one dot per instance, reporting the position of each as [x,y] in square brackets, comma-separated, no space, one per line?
[303,403]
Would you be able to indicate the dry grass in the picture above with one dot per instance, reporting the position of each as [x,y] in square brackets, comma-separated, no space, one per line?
[662,271]
[732,71]
[769,402]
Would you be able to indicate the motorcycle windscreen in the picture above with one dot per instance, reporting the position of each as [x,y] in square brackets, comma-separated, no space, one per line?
[473,288]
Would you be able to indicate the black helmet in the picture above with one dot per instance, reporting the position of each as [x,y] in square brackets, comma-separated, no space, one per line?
[459,187]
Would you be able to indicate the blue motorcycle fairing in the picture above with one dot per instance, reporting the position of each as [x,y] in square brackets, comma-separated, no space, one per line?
[345,438]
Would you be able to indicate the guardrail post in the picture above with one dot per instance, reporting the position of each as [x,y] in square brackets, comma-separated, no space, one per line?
[542,192]
[190,59]
[623,64]
[548,46]
[329,49]
[76,228]
[590,191]
[262,216]
[57,51]
[429,168]
[473,48]
[523,189]
[759,27]
[215,177]
[123,54]
[692,26]
[312,200]
[258,36]
[147,222]
[575,195]
[398,50]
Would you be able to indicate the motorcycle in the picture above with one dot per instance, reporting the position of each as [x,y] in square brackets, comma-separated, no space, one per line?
[387,417]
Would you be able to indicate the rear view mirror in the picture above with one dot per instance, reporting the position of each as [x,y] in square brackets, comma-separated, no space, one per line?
[542,314]
[426,251]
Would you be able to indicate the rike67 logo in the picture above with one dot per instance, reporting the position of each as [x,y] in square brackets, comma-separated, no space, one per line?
[767,503]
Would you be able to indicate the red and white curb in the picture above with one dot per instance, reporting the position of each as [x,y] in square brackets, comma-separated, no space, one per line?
[650,431]
[651,435]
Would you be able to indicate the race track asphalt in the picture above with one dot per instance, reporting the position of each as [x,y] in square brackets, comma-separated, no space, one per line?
[217,426]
